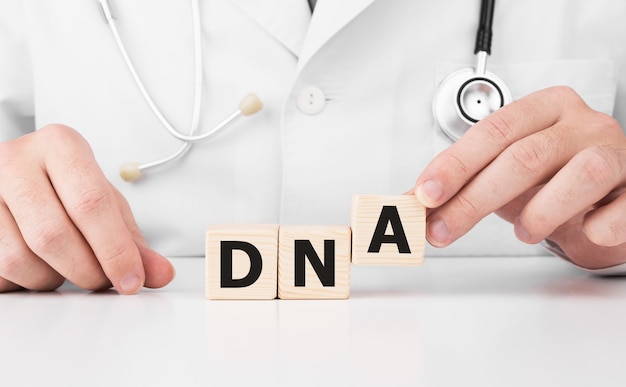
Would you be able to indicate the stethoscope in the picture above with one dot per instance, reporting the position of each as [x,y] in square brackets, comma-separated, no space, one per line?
[462,99]
[249,105]
[466,96]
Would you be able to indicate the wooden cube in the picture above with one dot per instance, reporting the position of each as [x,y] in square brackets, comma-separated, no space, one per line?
[388,230]
[242,261]
[314,262]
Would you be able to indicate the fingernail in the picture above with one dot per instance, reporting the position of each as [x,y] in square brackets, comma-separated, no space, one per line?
[429,192]
[130,284]
[438,232]
[522,234]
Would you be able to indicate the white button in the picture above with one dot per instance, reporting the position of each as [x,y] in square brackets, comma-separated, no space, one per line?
[311,100]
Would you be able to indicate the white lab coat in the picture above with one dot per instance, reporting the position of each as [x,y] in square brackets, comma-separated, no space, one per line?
[376,63]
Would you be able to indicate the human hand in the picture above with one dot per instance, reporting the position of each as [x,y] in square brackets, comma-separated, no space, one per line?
[61,219]
[549,164]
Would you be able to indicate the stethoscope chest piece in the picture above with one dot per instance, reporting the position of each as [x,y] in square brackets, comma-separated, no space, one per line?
[465,97]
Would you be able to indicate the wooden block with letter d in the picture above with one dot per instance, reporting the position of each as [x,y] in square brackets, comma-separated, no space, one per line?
[314,262]
[388,230]
[242,261]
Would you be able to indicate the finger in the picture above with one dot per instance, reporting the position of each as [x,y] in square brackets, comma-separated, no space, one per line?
[50,234]
[42,221]
[92,206]
[453,168]
[573,241]
[7,286]
[158,270]
[19,266]
[511,210]
[606,225]
[589,176]
[524,164]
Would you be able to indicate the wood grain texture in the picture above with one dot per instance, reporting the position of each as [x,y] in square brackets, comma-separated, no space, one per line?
[265,238]
[314,288]
[366,212]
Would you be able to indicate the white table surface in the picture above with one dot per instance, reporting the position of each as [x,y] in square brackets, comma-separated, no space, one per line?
[450,322]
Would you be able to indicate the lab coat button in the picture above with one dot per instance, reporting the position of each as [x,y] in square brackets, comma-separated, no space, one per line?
[311,100]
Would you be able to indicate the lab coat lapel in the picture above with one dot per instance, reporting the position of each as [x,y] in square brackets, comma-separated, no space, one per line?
[286,20]
[330,17]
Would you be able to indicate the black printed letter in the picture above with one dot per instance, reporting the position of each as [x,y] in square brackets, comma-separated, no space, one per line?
[325,271]
[389,214]
[226,256]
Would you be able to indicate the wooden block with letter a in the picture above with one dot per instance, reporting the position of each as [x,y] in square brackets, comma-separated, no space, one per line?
[242,261]
[388,230]
[314,262]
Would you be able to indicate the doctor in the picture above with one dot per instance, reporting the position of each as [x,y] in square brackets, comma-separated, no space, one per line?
[347,93]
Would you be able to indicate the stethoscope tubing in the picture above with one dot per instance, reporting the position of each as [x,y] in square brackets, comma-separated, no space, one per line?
[197,43]
[451,126]
[248,106]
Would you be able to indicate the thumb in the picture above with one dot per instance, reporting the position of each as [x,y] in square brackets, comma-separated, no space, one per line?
[158,270]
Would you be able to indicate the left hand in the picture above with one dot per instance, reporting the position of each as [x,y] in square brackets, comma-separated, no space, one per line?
[549,164]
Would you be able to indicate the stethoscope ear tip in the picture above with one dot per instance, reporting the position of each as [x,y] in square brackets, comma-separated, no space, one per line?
[130,172]
[250,104]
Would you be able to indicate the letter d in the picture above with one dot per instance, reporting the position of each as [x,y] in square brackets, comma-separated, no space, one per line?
[226,264]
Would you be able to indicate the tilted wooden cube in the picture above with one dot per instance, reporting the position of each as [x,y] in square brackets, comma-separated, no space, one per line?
[388,230]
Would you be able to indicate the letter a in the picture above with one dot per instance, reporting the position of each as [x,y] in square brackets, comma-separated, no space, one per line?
[389,215]
[388,230]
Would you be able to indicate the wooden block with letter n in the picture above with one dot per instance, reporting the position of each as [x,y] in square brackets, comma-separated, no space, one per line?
[388,230]
[242,261]
[314,262]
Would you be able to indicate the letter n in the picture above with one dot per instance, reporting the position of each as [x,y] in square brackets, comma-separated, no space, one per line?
[314,262]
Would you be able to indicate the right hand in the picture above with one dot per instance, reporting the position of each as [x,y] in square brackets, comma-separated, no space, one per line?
[60,218]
